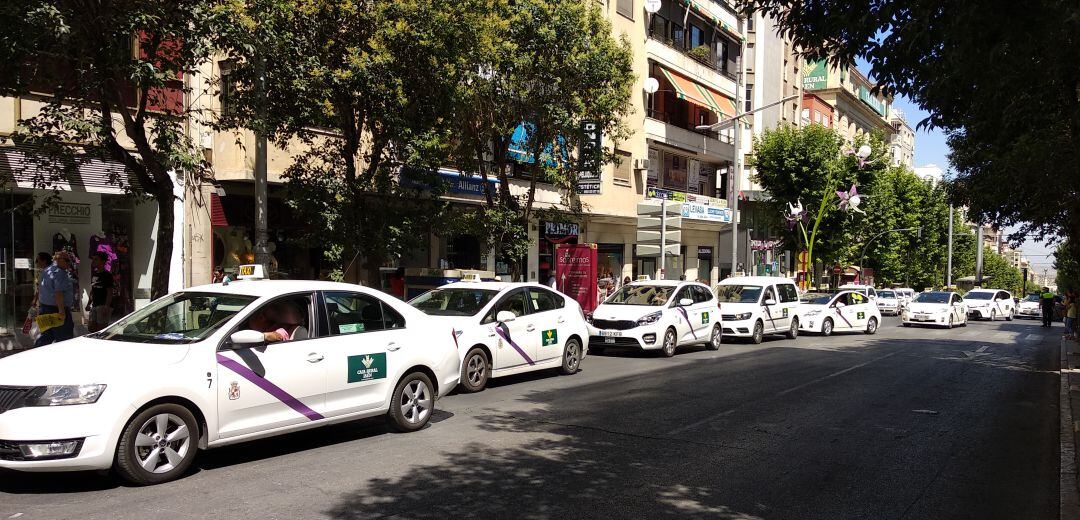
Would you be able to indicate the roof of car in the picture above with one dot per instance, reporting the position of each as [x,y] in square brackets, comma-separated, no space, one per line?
[662,283]
[262,288]
[755,280]
[491,286]
[985,290]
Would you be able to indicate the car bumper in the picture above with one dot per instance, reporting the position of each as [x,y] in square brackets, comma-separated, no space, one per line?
[1028,313]
[887,309]
[930,319]
[646,337]
[739,329]
[979,313]
[87,423]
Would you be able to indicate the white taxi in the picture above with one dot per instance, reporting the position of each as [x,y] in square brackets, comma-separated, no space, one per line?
[501,329]
[657,315]
[889,302]
[941,308]
[216,365]
[824,313]
[990,304]
[1029,307]
[753,306]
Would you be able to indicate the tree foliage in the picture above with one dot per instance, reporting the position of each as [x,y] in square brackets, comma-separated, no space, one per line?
[114,71]
[1000,77]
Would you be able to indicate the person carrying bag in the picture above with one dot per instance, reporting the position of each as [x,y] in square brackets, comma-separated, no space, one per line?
[56,295]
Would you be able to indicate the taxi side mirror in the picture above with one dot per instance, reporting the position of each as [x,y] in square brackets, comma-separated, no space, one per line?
[504,316]
[686,302]
[840,304]
[246,338]
[770,301]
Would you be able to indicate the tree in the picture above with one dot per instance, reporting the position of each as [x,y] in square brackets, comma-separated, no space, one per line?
[366,87]
[1016,150]
[998,273]
[544,66]
[114,71]
[1067,268]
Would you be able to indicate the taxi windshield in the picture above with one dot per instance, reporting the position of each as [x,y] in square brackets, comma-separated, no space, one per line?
[1031,298]
[933,297]
[651,295]
[816,298]
[738,293]
[184,317]
[886,294]
[453,302]
[979,295]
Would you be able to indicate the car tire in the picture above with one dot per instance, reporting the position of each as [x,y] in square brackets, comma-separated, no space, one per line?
[412,403]
[906,324]
[145,454]
[950,325]
[871,326]
[1012,314]
[827,327]
[475,370]
[671,342]
[793,330]
[571,359]
[716,337]
[759,332]
[993,315]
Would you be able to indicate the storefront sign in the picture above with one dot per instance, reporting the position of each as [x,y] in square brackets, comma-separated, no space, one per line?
[698,207]
[559,230]
[69,213]
[704,252]
[661,194]
[698,211]
[764,245]
[589,162]
[817,77]
[867,97]
[575,273]
[465,184]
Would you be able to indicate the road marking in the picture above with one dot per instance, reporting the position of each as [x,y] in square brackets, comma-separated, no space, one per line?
[730,411]
[1034,337]
[927,412]
[982,349]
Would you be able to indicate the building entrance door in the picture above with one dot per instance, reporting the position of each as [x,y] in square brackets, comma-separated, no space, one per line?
[16,267]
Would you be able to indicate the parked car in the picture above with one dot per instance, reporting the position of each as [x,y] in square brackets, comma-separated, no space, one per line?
[1029,307]
[990,304]
[905,295]
[888,302]
[825,313]
[659,315]
[942,308]
[201,368]
[502,329]
[753,306]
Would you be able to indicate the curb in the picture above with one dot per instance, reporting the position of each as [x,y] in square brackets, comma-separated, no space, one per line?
[1069,492]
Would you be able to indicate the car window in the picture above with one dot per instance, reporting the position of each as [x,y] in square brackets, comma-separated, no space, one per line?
[455,301]
[738,293]
[183,317]
[844,298]
[683,293]
[857,298]
[769,295]
[957,298]
[543,300]
[651,295]
[788,293]
[514,302]
[351,313]
[1003,295]
[701,294]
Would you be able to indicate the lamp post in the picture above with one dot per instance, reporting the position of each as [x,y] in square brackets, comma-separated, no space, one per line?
[862,258]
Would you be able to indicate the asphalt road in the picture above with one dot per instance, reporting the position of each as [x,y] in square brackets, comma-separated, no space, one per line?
[910,423]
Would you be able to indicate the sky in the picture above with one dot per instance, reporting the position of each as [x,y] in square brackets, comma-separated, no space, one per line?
[931,148]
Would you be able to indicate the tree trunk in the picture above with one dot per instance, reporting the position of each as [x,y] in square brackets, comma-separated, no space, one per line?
[159,280]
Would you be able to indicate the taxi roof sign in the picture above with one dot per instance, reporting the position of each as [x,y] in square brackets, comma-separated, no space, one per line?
[251,272]
[643,278]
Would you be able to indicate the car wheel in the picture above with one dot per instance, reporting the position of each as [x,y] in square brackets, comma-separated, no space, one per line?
[571,359]
[871,326]
[412,403]
[668,349]
[1010,316]
[793,330]
[157,445]
[993,315]
[826,327]
[906,324]
[759,332]
[715,338]
[950,325]
[475,370]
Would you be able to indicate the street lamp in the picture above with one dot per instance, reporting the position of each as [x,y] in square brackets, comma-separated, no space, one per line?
[862,259]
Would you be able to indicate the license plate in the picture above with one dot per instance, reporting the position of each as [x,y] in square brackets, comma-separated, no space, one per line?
[611,333]
[609,340]
[922,316]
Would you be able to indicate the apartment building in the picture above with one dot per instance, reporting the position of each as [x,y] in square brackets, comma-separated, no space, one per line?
[901,140]
[857,110]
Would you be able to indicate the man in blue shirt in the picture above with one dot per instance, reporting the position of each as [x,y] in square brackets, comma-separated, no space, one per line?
[56,294]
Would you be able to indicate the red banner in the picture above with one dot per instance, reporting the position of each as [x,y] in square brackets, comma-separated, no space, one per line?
[575,273]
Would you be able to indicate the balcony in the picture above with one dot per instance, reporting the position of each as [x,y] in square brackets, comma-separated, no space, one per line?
[699,142]
[697,67]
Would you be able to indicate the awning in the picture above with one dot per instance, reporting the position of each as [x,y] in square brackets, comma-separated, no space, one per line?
[698,94]
[23,166]
[217,212]
[704,14]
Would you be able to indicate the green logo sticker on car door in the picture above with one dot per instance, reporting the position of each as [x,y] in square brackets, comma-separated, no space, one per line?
[367,367]
[705,318]
[549,337]
[860,315]
[785,312]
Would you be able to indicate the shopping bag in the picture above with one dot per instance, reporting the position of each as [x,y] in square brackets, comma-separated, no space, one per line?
[49,321]
[34,332]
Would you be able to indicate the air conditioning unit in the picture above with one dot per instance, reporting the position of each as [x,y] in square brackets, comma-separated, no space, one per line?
[641,164]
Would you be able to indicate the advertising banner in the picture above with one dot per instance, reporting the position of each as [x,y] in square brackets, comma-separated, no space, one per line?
[575,273]
[817,76]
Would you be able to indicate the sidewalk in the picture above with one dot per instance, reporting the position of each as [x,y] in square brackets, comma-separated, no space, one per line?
[1070,429]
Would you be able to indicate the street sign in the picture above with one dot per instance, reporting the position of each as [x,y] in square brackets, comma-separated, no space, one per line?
[648,250]
[653,236]
[588,181]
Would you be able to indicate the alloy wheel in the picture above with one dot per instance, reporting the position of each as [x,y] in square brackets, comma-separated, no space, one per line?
[476,369]
[162,443]
[416,402]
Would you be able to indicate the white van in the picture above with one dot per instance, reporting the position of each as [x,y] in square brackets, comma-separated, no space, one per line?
[752,306]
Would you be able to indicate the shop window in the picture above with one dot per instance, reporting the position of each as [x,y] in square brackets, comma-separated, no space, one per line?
[625,8]
[675,174]
[623,166]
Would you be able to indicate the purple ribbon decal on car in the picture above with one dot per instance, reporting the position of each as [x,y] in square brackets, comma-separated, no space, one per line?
[769,313]
[840,315]
[687,318]
[270,388]
[506,336]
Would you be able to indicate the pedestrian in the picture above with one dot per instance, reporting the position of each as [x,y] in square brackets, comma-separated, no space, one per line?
[1047,301]
[56,295]
[219,275]
[101,292]
[626,280]
[1071,305]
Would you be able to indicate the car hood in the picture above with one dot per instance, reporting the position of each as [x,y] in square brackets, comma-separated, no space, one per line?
[887,300]
[85,361]
[739,308]
[928,307]
[623,312]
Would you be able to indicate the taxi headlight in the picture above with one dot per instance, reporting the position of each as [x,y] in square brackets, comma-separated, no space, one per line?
[743,316]
[649,318]
[62,395]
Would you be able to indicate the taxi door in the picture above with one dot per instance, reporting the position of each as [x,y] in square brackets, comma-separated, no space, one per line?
[272,385]
[685,315]
[516,341]
[549,314]
[860,310]
[705,311]
[846,311]
[788,297]
[365,341]
[773,314]
[958,308]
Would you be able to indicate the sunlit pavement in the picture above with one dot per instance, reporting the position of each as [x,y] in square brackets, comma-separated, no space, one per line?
[908,423]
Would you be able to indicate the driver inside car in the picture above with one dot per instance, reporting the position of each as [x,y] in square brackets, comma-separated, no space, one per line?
[272,321]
